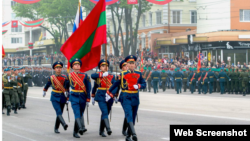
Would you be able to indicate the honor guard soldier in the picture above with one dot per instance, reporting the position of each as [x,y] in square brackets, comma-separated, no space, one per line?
[131,81]
[211,77]
[79,96]
[20,88]
[171,78]
[192,80]
[204,80]
[198,81]
[123,67]
[244,81]
[221,77]
[156,78]
[234,78]
[248,80]
[15,97]
[26,78]
[8,92]
[185,78]
[178,76]
[105,100]
[148,78]
[58,98]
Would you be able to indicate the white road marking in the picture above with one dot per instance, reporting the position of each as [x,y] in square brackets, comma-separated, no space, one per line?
[19,135]
[180,113]
[166,138]
[38,97]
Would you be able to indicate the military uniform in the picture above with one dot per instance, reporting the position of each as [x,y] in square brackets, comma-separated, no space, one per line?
[222,78]
[58,99]
[15,101]
[204,81]
[144,73]
[130,82]
[164,77]
[171,78]
[155,77]
[198,81]
[8,91]
[192,80]
[79,97]
[104,82]
[178,76]
[244,81]
[185,80]
[148,79]
[211,76]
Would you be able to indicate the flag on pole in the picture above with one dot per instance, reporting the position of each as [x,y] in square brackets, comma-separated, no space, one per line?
[78,18]
[132,1]
[85,43]
[141,61]
[3,52]
[199,62]
[5,23]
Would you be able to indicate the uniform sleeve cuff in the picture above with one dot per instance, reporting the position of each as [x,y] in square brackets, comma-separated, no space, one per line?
[88,100]
[110,94]
[100,74]
[93,95]
[116,95]
[45,90]
[139,86]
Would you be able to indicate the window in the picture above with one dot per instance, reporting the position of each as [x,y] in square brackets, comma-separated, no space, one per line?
[176,17]
[17,29]
[193,16]
[245,15]
[143,20]
[70,28]
[13,3]
[13,17]
[158,17]
[16,40]
[150,19]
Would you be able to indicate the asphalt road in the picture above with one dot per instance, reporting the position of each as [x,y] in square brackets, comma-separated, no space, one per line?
[156,113]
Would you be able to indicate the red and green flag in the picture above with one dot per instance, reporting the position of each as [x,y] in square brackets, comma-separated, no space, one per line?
[3,52]
[85,43]
[35,23]
[3,32]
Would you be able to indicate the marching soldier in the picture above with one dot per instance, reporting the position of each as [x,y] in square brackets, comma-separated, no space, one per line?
[171,79]
[26,77]
[244,81]
[240,79]
[198,81]
[130,82]
[234,78]
[105,100]
[222,76]
[185,79]
[164,77]
[211,77]
[79,96]
[204,81]
[144,73]
[148,78]
[15,97]
[248,81]
[58,99]
[155,77]
[8,92]
[178,76]
[20,88]
[123,67]
[192,80]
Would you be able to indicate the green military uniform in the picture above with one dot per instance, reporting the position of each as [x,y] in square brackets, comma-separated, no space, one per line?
[234,77]
[144,73]
[229,88]
[198,80]
[244,81]
[248,82]
[178,76]
[240,83]
[3,99]
[15,101]
[184,80]
[204,81]
[211,77]
[192,80]
[8,82]
[164,77]
[148,79]
[26,77]
[20,89]
[217,82]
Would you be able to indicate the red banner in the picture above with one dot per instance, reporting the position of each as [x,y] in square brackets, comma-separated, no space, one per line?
[132,1]
[14,24]
[199,62]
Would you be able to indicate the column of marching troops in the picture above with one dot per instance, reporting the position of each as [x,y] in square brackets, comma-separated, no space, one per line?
[207,80]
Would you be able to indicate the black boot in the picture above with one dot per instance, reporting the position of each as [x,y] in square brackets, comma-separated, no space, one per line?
[101,130]
[57,124]
[24,106]
[13,107]
[228,92]
[244,93]
[83,125]
[8,111]
[124,128]
[132,129]
[15,111]
[128,137]
[106,122]
[60,118]
[79,124]
[75,131]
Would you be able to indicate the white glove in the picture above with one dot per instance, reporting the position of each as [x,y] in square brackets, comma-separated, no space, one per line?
[196,81]
[67,102]
[9,80]
[87,104]
[208,82]
[249,81]
[66,94]
[201,82]
[22,92]
[217,79]
[174,79]
[2,89]
[44,93]
[24,75]
[229,79]
[116,100]
[93,100]
[136,87]
[107,98]
[105,74]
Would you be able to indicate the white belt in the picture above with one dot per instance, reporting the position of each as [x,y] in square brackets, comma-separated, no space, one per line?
[16,87]
[26,83]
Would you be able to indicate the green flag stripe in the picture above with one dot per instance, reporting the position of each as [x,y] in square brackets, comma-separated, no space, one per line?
[33,23]
[102,19]
[85,48]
